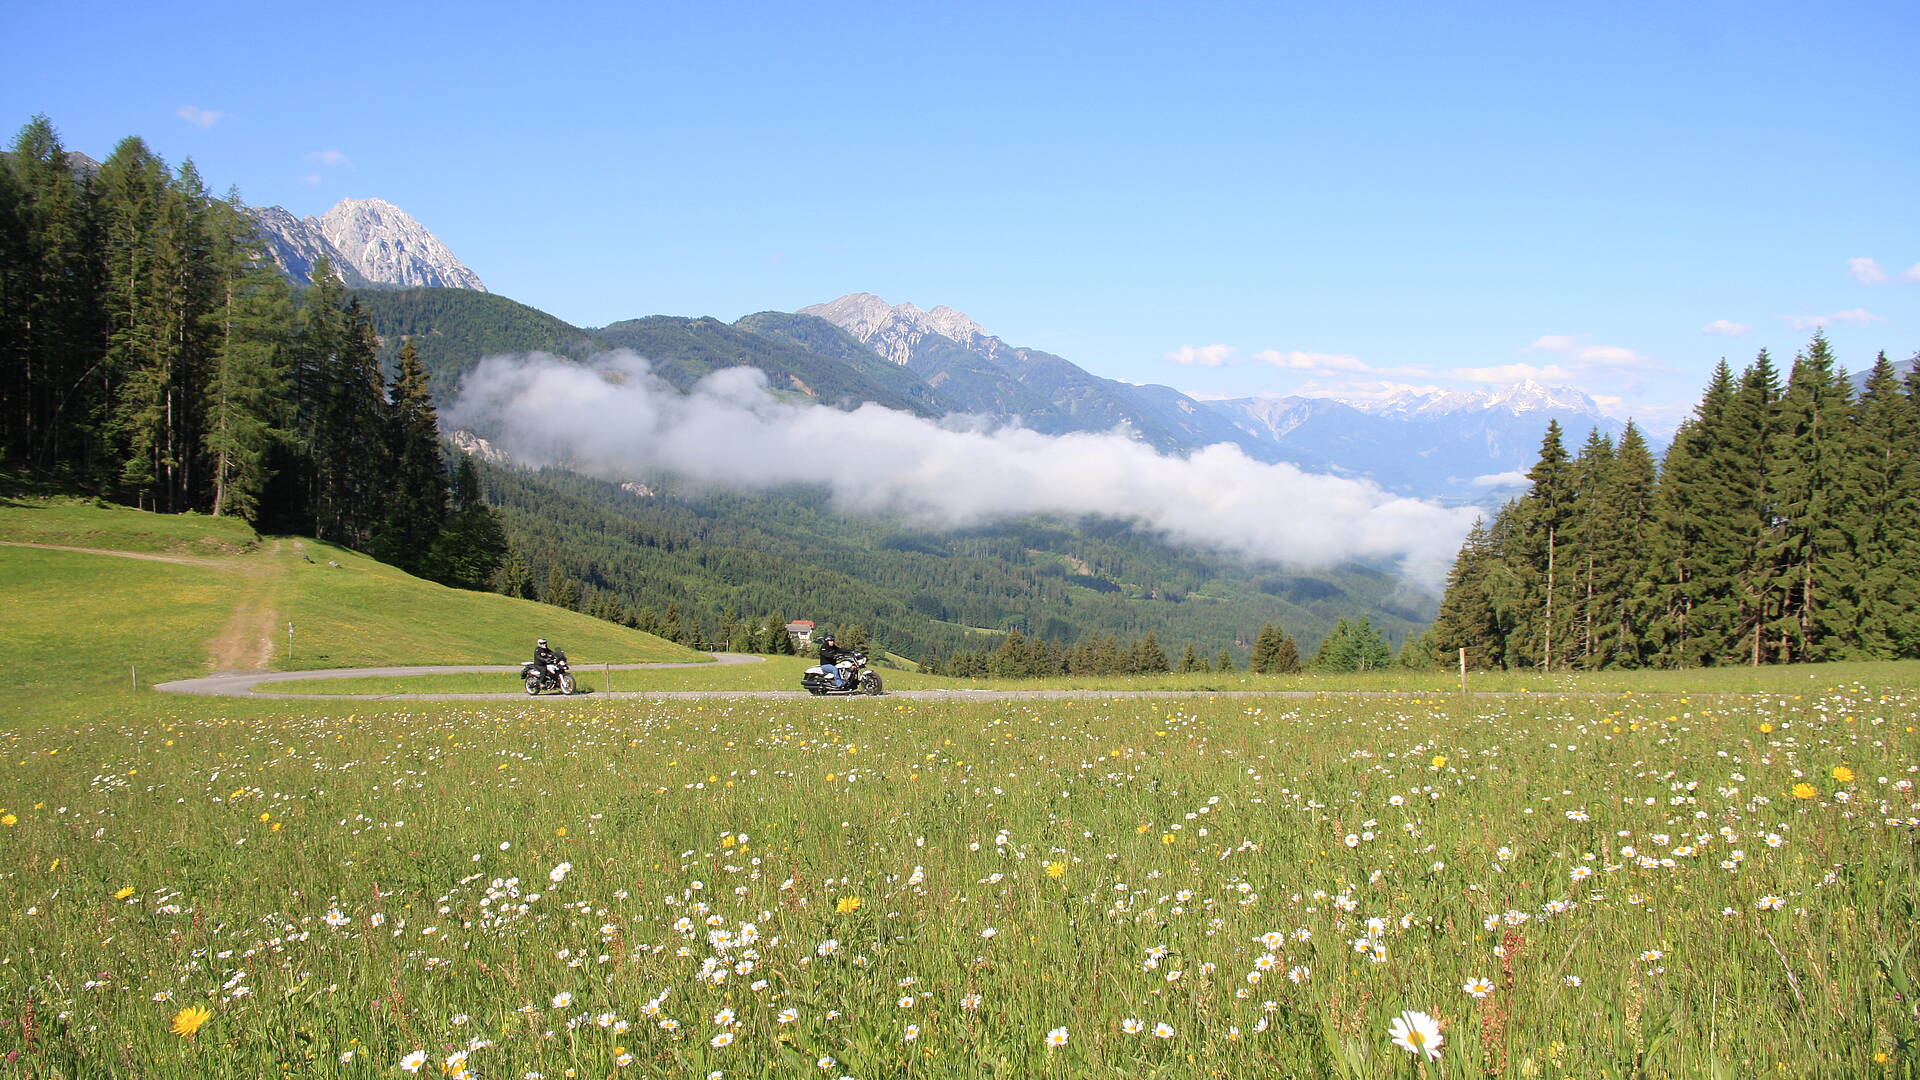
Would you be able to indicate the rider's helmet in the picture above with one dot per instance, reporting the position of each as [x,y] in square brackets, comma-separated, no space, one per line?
[828,640]
[542,643]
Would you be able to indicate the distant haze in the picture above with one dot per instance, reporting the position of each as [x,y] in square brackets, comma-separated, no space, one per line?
[615,419]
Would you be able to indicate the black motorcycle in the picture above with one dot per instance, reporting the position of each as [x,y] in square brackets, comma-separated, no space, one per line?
[855,677]
[553,676]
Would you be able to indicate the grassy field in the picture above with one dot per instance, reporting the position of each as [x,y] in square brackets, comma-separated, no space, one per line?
[1702,874]
[224,598]
[1647,888]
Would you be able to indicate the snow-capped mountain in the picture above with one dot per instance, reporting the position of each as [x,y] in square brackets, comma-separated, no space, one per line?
[370,241]
[1463,446]
[1519,398]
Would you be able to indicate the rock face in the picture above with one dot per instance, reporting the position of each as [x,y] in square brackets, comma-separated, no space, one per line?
[371,242]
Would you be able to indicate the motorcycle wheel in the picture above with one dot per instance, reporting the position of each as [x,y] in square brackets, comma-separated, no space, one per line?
[533,685]
[872,685]
[566,683]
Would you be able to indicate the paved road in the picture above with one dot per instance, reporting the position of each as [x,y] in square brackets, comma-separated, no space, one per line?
[246,683]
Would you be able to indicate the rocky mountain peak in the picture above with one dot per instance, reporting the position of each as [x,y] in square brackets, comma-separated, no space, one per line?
[370,241]
[892,330]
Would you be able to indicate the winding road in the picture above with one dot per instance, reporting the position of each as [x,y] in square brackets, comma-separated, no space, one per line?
[249,683]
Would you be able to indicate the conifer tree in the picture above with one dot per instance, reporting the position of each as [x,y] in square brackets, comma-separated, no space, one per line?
[1805,475]
[1539,605]
[1879,569]
[1467,618]
[415,485]
[245,377]
[1224,662]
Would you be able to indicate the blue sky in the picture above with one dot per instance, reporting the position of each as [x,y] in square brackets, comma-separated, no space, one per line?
[1227,198]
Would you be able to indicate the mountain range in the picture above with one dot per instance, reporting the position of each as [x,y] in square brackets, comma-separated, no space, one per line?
[1453,447]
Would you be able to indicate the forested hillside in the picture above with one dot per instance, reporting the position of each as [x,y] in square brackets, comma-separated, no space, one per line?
[1783,526]
[636,553]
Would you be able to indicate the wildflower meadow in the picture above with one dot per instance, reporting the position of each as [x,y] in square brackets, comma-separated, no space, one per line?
[1586,887]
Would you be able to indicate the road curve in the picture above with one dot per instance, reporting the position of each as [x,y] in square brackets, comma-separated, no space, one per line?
[246,683]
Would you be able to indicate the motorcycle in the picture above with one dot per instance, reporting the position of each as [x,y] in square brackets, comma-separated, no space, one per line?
[554,676]
[855,678]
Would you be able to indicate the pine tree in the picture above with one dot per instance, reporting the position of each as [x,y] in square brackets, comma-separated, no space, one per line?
[1224,662]
[416,484]
[1539,606]
[1620,539]
[1467,618]
[1286,656]
[473,545]
[1879,569]
[1265,644]
[1805,473]
[1190,659]
[245,378]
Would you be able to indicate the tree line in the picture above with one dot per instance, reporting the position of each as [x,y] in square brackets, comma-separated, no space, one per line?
[1782,526]
[1353,645]
[158,358]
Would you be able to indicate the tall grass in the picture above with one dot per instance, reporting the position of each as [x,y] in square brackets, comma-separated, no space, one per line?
[1649,887]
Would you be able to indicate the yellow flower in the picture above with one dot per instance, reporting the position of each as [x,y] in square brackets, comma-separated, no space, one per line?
[123,893]
[1766,729]
[561,831]
[1843,774]
[9,820]
[847,905]
[188,1020]
[1167,838]
[1804,790]
[1439,761]
[1056,869]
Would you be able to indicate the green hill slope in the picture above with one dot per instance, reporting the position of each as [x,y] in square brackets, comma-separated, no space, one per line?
[453,328]
[183,595]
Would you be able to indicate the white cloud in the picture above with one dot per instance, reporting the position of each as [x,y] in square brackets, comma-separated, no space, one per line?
[1571,346]
[1507,373]
[328,157]
[1866,271]
[1859,316]
[1503,479]
[1913,272]
[199,117]
[312,178]
[1202,355]
[1726,327]
[729,431]
[1312,362]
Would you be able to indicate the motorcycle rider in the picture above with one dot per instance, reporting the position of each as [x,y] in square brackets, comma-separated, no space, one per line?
[830,654]
[544,658]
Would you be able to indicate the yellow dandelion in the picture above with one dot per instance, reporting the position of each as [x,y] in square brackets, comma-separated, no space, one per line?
[123,893]
[9,820]
[1804,790]
[1167,838]
[847,905]
[1439,761]
[1843,774]
[1766,729]
[188,1020]
[1056,869]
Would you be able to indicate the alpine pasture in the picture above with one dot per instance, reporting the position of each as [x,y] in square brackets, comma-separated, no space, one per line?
[1605,885]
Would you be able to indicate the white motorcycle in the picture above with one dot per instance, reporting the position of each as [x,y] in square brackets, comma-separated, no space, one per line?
[855,677]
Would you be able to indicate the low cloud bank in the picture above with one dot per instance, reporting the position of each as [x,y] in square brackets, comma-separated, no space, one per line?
[614,418]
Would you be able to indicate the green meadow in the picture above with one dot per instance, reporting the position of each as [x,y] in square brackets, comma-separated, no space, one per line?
[1697,874]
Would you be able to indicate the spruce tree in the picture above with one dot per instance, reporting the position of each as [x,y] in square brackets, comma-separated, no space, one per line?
[1805,475]
[1878,570]
[1540,605]
[415,487]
